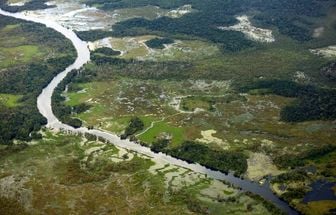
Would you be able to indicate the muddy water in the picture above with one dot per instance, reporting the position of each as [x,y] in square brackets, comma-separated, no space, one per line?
[44,106]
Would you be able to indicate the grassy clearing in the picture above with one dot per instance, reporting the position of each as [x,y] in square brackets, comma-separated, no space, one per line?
[16,49]
[19,55]
[10,100]
[160,128]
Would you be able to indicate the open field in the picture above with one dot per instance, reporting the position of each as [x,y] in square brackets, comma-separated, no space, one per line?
[17,50]
[9,100]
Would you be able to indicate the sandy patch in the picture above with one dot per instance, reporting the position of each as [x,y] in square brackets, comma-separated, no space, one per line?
[260,165]
[207,137]
[179,12]
[328,52]
[301,77]
[18,4]
[100,44]
[75,15]
[250,31]
[318,32]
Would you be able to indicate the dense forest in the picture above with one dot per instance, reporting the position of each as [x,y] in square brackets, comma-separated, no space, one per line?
[22,122]
[158,43]
[224,161]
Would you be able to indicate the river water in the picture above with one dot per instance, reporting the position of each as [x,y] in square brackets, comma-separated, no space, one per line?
[83,56]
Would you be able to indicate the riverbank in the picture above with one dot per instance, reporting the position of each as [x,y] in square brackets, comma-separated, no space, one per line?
[44,106]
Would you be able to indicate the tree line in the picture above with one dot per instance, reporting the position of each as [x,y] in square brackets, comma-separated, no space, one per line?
[24,121]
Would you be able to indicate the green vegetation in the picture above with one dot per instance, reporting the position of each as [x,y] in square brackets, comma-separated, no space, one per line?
[88,177]
[219,160]
[312,154]
[312,104]
[286,115]
[62,111]
[158,43]
[161,129]
[289,17]
[23,79]
[10,100]
[135,125]
[106,51]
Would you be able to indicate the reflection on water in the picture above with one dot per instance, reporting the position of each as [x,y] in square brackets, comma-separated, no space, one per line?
[321,190]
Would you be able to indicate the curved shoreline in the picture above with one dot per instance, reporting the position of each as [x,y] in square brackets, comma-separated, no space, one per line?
[83,56]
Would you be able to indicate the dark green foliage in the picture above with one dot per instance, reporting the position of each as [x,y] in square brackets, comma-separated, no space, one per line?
[92,35]
[158,43]
[312,103]
[134,126]
[292,193]
[90,137]
[74,122]
[100,60]
[81,108]
[159,145]
[329,71]
[106,51]
[223,161]
[287,27]
[289,176]
[299,160]
[22,122]
[62,111]
[196,25]
[268,205]
[136,69]
[288,16]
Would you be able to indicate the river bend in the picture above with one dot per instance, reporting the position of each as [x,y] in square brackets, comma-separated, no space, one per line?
[83,56]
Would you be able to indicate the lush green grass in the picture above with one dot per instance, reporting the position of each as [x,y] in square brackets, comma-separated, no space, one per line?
[19,55]
[152,134]
[10,100]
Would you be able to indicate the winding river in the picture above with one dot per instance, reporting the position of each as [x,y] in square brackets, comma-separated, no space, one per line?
[83,56]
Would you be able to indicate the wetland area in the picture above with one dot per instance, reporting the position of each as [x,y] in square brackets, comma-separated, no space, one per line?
[145,117]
